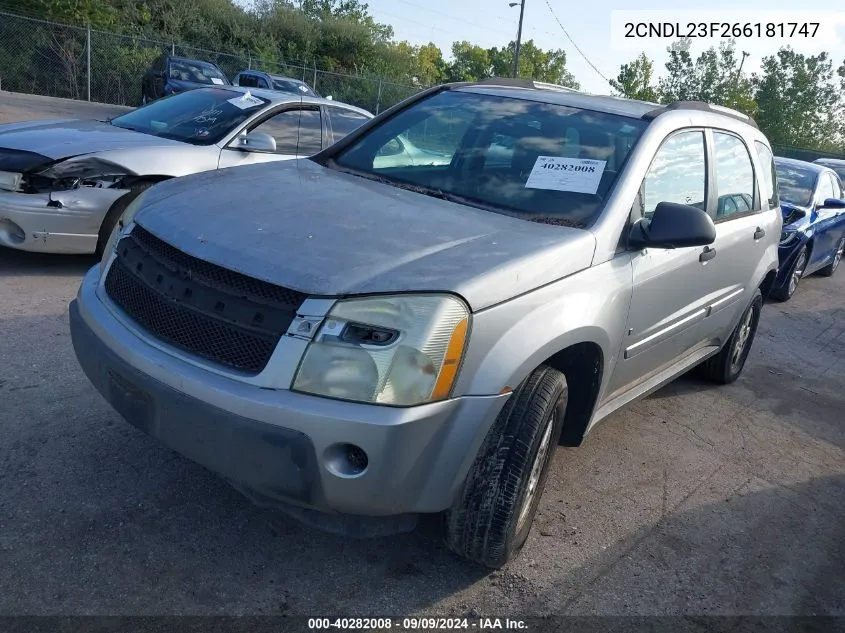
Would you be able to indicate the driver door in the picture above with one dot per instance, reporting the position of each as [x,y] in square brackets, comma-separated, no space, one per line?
[672,288]
[298,132]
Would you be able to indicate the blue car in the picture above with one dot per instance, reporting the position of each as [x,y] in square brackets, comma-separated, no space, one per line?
[170,75]
[813,237]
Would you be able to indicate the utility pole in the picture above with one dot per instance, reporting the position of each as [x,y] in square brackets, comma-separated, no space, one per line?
[744,55]
[521,4]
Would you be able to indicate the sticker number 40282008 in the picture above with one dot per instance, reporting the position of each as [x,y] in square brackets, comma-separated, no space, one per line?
[578,175]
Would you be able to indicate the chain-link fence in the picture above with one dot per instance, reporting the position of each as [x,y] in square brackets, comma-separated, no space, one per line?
[58,60]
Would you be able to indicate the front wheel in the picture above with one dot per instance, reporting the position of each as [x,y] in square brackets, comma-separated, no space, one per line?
[492,516]
[726,366]
[110,222]
[828,270]
[795,273]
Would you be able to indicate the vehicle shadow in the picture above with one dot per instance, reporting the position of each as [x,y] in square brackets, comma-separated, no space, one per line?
[14,262]
[765,549]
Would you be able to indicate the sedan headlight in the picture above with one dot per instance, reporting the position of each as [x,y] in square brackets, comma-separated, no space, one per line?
[81,172]
[788,237]
[120,224]
[10,181]
[396,350]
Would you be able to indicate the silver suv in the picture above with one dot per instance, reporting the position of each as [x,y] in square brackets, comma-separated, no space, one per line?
[360,341]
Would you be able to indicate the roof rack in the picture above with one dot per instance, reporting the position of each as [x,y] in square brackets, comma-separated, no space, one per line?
[700,106]
[511,82]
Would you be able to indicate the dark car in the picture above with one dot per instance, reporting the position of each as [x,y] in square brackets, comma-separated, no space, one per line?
[260,79]
[813,236]
[169,75]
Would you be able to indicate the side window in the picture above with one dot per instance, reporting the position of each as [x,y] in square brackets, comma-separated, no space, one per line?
[344,121]
[768,177]
[825,189]
[677,173]
[734,172]
[262,83]
[294,130]
[837,187]
[247,81]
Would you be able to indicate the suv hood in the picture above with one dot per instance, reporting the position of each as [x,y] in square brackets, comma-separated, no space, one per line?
[62,138]
[323,232]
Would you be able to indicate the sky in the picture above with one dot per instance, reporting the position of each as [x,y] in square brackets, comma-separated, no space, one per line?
[493,23]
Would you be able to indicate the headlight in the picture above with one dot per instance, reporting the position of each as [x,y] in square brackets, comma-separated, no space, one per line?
[120,224]
[10,181]
[397,350]
[788,237]
[81,172]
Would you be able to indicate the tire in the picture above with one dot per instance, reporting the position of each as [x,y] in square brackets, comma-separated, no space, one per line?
[492,516]
[726,366]
[828,270]
[114,213]
[795,274]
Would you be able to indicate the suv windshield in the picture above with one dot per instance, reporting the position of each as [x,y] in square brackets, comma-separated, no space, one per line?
[200,117]
[537,161]
[293,86]
[196,72]
[796,184]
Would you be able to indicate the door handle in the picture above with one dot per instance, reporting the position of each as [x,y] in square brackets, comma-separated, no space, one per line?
[760,233]
[707,254]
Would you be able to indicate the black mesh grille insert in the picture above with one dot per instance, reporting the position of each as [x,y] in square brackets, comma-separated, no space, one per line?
[215,313]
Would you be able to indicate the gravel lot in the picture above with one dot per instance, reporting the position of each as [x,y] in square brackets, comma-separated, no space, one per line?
[697,500]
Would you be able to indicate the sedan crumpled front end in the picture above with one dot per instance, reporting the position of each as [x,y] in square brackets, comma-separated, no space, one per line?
[57,206]
[793,236]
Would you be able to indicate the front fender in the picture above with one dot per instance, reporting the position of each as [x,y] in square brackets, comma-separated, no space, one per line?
[511,339]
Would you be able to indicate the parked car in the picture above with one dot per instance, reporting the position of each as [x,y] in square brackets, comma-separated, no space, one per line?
[813,237]
[171,75]
[836,164]
[361,344]
[259,79]
[65,183]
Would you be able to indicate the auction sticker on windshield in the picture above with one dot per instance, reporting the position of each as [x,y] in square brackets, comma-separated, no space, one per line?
[246,101]
[579,175]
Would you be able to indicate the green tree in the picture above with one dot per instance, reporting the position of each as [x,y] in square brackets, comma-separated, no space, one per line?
[799,100]
[534,63]
[469,62]
[636,79]
[716,77]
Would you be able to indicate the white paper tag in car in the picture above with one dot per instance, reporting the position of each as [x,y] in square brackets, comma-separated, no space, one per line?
[216,81]
[579,175]
[246,101]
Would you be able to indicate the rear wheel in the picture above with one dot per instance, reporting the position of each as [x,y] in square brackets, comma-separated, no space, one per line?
[828,270]
[726,366]
[492,516]
[795,273]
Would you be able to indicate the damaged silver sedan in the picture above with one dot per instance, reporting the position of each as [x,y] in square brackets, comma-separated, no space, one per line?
[65,183]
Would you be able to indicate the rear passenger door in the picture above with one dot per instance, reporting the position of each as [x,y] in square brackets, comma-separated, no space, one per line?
[744,227]
[672,288]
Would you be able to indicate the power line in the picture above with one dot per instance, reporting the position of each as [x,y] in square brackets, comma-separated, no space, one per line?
[586,59]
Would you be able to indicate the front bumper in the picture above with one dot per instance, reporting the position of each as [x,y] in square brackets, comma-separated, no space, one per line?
[275,444]
[27,222]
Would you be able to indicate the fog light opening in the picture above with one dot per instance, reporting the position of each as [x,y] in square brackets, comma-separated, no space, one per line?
[11,233]
[346,460]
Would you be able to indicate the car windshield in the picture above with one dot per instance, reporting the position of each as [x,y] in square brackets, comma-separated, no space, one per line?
[196,72]
[796,183]
[200,117]
[533,160]
[292,86]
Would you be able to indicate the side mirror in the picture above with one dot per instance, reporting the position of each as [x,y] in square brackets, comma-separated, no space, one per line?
[832,203]
[673,226]
[255,142]
[329,98]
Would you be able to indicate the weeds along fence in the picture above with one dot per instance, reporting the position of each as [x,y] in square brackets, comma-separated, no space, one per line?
[59,60]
